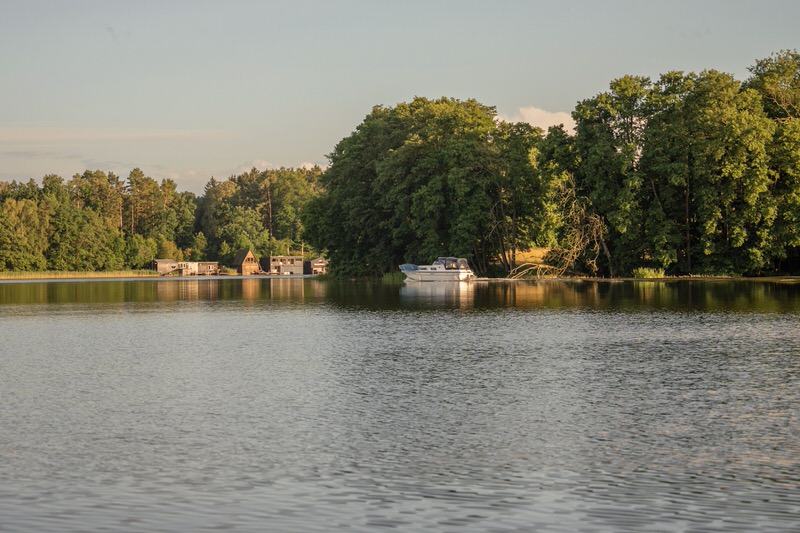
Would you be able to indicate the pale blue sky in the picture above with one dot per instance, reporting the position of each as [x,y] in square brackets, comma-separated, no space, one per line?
[193,89]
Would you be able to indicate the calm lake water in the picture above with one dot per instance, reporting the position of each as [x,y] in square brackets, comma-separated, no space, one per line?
[295,405]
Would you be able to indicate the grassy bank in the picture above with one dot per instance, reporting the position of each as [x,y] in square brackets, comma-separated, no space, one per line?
[48,274]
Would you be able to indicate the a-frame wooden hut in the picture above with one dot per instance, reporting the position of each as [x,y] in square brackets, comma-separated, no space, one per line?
[245,263]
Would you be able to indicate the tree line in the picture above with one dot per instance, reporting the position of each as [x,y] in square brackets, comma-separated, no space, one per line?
[98,221]
[691,173]
[426,179]
[688,174]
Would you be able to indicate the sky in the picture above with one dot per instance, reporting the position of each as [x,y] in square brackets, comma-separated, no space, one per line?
[189,90]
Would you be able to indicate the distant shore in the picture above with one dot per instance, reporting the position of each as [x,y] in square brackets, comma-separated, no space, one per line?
[121,274]
[125,274]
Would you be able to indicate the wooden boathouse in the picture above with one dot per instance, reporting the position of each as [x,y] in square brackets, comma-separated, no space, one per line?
[166,267]
[245,263]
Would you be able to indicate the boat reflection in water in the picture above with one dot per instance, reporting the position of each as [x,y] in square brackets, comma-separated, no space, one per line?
[445,293]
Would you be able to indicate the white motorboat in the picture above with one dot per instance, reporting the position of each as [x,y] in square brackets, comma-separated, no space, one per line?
[443,269]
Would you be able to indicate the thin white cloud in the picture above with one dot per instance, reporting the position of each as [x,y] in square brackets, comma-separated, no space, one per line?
[308,165]
[70,135]
[37,154]
[541,118]
[258,164]
[262,164]
[189,180]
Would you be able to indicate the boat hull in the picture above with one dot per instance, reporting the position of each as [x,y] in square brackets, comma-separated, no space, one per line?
[439,275]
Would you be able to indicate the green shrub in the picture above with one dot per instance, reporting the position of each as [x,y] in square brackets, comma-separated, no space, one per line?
[393,277]
[648,273]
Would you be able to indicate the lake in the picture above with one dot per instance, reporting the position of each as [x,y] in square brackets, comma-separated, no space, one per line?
[298,405]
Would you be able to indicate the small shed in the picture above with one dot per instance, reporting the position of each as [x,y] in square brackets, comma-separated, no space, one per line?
[316,266]
[246,263]
[165,266]
[188,268]
[207,268]
[198,268]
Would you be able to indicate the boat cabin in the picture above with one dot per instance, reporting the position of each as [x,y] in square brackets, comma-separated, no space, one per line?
[452,263]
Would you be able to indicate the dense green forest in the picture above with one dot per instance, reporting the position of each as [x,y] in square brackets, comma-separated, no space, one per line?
[97,221]
[689,174]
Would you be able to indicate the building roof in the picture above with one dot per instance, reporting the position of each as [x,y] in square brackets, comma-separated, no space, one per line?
[241,255]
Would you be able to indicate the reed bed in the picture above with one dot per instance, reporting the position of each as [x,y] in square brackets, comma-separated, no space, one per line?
[53,274]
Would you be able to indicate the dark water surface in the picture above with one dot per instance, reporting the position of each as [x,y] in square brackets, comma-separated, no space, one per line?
[296,405]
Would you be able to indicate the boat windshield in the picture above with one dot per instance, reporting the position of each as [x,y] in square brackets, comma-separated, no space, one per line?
[452,263]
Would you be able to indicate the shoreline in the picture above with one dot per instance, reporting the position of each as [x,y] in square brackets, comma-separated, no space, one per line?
[150,274]
[715,279]
[64,275]
[20,277]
